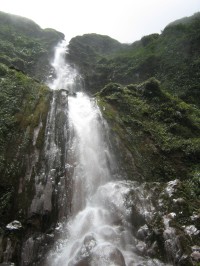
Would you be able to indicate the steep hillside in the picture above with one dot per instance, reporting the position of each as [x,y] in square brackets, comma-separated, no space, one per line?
[172,57]
[149,92]
[25,54]
[161,131]
[25,46]
[24,106]
[158,136]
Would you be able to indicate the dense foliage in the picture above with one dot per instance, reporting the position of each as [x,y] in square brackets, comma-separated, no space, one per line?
[173,57]
[161,131]
[24,104]
[149,92]
[157,120]
[25,52]
[25,46]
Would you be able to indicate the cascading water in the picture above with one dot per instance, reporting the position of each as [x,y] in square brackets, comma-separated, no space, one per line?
[98,232]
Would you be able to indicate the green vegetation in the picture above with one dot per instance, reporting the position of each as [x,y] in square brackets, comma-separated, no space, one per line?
[172,57]
[149,93]
[160,130]
[156,136]
[25,51]
[24,104]
[25,46]
[156,121]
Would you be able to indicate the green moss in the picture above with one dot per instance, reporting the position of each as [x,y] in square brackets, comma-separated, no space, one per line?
[24,104]
[25,46]
[172,57]
[159,130]
[3,70]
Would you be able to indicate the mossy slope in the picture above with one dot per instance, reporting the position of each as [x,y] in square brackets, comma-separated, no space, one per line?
[25,46]
[172,57]
[156,136]
[24,105]
[25,52]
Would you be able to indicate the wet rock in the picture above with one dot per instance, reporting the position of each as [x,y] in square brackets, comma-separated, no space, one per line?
[143,232]
[34,249]
[195,248]
[170,249]
[83,255]
[172,187]
[82,262]
[153,250]
[191,230]
[195,218]
[107,254]
[195,256]
[7,254]
[14,225]
[10,246]
[89,242]
[179,201]
[185,261]
[141,248]
[7,264]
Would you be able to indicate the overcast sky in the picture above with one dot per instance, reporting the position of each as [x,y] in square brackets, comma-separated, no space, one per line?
[123,20]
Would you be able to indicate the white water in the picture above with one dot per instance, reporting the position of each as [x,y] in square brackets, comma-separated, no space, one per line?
[92,157]
[98,232]
[65,75]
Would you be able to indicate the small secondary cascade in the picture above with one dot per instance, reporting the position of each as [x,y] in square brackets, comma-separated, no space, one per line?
[98,232]
[54,157]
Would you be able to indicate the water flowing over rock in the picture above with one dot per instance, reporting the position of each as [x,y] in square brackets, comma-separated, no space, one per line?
[99,229]
[108,179]
[82,210]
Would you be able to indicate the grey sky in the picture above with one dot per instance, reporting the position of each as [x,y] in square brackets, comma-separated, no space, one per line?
[124,20]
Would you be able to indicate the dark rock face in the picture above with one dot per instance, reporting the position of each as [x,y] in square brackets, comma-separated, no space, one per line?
[41,193]
[25,214]
[156,224]
[105,255]
[98,255]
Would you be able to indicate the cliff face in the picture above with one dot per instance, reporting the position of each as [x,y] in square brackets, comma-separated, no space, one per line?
[172,57]
[148,91]
[158,136]
[25,54]
[26,47]
[154,124]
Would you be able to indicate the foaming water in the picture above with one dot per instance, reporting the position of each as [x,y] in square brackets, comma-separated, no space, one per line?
[92,157]
[66,76]
[98,232]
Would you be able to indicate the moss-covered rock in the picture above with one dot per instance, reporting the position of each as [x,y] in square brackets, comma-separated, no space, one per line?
[172,57]
[24,105]
[160,131]
[25,46]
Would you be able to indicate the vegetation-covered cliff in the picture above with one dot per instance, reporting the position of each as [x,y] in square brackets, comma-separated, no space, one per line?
[160,116]
[148,91]
[26,47]
[172,57]
[25,54]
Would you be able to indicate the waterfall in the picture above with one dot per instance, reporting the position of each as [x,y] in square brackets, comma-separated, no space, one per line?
[98,231]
